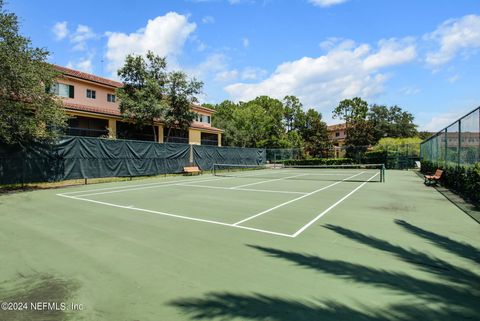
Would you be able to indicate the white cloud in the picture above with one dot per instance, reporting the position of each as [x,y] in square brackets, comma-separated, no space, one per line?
[208,20]
[164,35]
[84,64]
[409,91]
[245,42]
[80,37]
[347,70]
[454,36]
[453,78]
[442,120]
[252,73]
[392,52]
[227,75]
[60,30]
[326,3]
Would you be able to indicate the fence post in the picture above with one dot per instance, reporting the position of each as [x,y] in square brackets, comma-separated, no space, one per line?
[459,141]
[445,154]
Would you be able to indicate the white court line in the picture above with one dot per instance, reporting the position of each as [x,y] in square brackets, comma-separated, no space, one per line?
[175,215]
[148,187]
[330,208]
[294,200]
[241,189]
[267,181]
[148,184]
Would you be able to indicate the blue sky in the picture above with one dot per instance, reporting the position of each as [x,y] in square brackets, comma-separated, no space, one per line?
[421,55]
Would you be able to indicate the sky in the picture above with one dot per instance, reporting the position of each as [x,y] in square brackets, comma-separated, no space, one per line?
[423,56]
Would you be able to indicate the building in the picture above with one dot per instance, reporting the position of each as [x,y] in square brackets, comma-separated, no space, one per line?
[94,109]
[337,134]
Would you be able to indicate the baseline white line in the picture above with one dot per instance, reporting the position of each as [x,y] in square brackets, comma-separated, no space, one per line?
[148,187]
[148,184]
[174,215]
[331,207]
[130,186]
[242,189]
[267,181]
[294,200]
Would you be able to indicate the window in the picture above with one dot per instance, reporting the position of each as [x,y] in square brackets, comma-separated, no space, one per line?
[111,98]
[337,134]
[63,90]
[91,94]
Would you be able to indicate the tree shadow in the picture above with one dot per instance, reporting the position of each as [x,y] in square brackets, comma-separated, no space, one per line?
[458,248]
[453,295]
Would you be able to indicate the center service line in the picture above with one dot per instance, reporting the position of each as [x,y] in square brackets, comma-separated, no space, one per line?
[295,199]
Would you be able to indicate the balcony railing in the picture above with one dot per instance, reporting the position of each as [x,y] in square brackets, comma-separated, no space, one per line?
[209,142]
[174,139]
[76,131]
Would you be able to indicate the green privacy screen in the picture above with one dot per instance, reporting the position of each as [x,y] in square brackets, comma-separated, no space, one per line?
[83,157]
[205,156]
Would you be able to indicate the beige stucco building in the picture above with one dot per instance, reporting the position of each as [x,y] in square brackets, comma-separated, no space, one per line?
[94,108]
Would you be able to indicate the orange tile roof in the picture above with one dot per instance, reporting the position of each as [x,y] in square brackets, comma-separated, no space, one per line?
[337,126]
[86,76]
[92,109]
[205,126]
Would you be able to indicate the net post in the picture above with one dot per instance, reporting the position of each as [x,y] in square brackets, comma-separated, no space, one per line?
[382,173]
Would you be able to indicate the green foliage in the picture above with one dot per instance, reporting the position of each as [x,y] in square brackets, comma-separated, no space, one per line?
[465,180]
[143,95]
[271,123]
[319,161]
[151,94]
[181,94]
[403,146]
[359,130]
[391,122]
[28,112]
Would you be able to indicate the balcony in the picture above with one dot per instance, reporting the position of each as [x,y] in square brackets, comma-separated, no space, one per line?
[86,132]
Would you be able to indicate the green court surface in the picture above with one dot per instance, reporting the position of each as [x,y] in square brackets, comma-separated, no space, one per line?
[275,245]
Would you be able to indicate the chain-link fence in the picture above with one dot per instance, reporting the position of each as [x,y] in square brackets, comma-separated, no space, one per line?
[457,144]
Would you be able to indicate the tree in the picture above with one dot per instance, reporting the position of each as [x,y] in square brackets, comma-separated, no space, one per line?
[150,94]
[143,96]
[181,94]
[315,134]
[28,112]
[358,129]
[391,122]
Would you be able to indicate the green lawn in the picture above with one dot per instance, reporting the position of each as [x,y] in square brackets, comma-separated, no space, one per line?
[269,249]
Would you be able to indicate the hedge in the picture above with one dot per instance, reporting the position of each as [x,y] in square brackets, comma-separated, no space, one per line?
[463,180]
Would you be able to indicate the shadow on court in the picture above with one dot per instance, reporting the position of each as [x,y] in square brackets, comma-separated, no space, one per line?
[453,295]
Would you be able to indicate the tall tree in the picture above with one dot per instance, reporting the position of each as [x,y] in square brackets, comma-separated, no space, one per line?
[151,94]
[181,94]
[354,112]
[143,97]
[315,134]
[28,112]
[391,122]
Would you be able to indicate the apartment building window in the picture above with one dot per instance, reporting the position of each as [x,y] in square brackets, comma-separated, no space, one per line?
[63,90]
[111,98]
[91,94]
[203,118]
[337,134]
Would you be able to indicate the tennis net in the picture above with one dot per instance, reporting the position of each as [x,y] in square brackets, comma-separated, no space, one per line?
[351,173]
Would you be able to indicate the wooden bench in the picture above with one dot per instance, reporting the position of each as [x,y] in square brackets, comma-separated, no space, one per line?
[191,170]
[433,179]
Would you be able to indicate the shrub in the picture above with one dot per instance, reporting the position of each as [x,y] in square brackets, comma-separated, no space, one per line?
[465,180]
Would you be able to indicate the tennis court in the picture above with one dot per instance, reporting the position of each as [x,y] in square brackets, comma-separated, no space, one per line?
[353,243]
[277,201]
